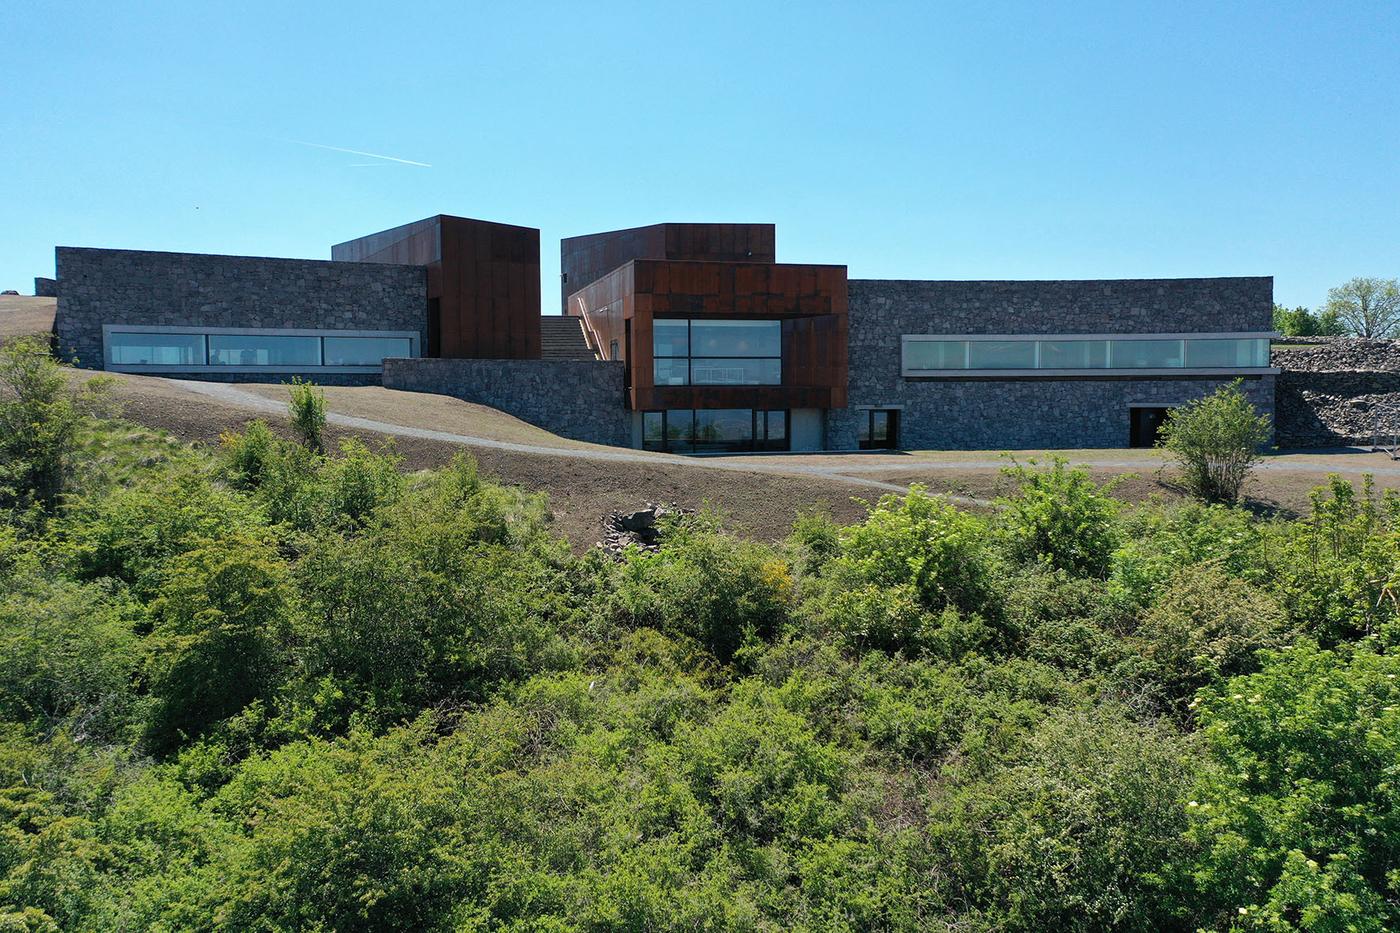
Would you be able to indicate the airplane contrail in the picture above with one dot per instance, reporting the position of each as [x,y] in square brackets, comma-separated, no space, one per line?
[358,152]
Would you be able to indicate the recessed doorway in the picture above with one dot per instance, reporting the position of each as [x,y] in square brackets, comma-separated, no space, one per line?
[1146,424]
[879,429]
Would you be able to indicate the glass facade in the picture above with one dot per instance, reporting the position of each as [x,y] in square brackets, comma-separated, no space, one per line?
[268,349]
[1030,353]
[263,350]
[717,352]
[156,350]
[363,351]
[714,430]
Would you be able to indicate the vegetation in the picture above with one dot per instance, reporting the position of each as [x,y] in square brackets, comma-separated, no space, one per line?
[1216,440]
[1301,322]
[270,688]
[308,409]
[1366,307]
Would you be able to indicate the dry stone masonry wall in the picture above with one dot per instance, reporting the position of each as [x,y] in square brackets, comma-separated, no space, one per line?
[102,286]
[579,399]
[1028,412]
[1336,390]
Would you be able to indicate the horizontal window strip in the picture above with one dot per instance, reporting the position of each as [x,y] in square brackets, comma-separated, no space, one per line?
[1081,354]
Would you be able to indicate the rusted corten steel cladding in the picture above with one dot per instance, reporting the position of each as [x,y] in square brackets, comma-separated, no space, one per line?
[585,259]
[483,282]
[809,300]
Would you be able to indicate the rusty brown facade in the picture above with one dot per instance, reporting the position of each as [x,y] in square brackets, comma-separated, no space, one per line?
[483,282]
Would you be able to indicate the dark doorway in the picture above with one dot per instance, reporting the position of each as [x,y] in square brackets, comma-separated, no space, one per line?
[879,430]
[1146,422]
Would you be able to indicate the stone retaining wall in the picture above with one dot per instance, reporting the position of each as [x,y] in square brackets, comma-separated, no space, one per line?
[45,288]
[579,399]
[1335,391]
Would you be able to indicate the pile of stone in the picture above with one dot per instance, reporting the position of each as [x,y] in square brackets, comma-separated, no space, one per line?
[1336,390]
[639,529]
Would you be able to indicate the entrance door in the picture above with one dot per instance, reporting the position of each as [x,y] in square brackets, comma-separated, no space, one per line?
[1146,422]
[880,431]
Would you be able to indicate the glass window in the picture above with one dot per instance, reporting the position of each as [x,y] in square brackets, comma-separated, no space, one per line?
[124,349]
[935,354]
[654,430]
[263,350]
[1146,354]
[736,338]
[1073,354]
[364,351]
[670,338]
[723,429]
[1001,354]
[735,372]
[777,425]
[1227,353]
[680,428]
[670,372]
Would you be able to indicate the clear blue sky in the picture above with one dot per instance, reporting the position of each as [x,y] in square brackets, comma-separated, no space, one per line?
[906,140]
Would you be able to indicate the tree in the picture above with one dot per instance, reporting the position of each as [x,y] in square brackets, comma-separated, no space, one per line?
[1367,307]
[1300,322]
[1216,440]
[39,419]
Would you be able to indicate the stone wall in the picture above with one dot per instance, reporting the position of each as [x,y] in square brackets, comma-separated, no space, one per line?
[45,288]
[992,413]
[580,399]
[1335,391]
[120,286]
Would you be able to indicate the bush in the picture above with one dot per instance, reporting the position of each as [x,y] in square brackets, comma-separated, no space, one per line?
[1216,440]
[922,541]
[39,419]
[308,410]
[1206,626]
[1295,826]
[1059,518]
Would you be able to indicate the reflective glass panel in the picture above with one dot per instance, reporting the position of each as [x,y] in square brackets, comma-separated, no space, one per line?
[364,351]
[155,349]
[1227,353]
[1073,354]
[723,429]
[935,354]
[263,350]
[1001,354]
[679,427]
[1146,354]
[653,430]
[735,372]
[736,338]
[777,425]
[670,372]
[670,338]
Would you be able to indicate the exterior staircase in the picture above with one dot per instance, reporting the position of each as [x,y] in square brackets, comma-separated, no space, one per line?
[561,338]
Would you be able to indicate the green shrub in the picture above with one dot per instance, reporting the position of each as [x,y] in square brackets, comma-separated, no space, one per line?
[1206,626]
[39,420]
[308,411]
[1058,518]
[1295,825]
[249,455]
[1216,440]
[922,541]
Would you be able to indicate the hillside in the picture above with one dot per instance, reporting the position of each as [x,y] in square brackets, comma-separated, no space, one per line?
[259,687]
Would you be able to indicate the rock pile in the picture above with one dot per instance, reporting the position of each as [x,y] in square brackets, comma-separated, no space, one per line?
[636,529]
[1335,390]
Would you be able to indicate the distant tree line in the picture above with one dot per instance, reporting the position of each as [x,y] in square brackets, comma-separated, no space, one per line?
[1363,307]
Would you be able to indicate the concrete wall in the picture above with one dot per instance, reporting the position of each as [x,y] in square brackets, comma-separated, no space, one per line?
[111,286]
[806,428]
[579,399]
[981,413]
